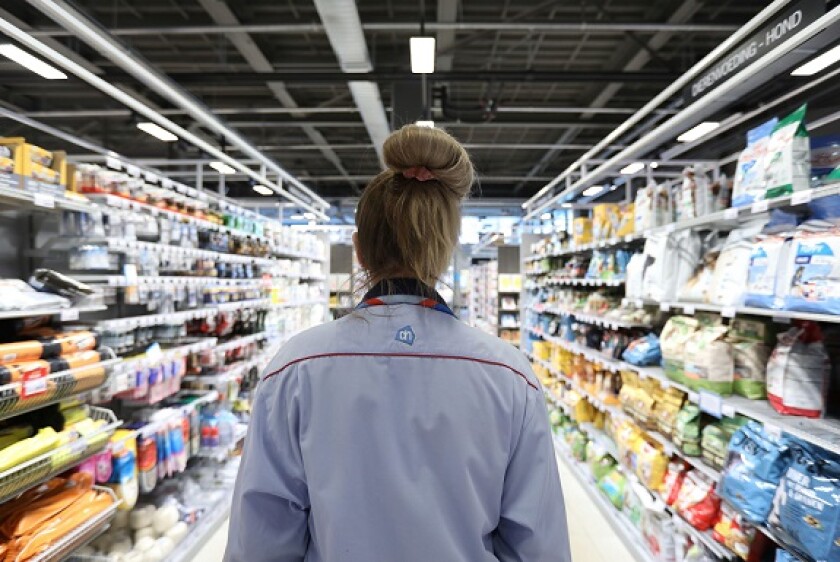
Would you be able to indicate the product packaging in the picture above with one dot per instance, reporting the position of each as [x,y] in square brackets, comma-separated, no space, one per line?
[643,351]
[697,501]
[672,258]
[730,275]
[750,354]
[733,531]
[613,485]
[749,175]
[806,508]
[754,467]
[581,231]
[788,156]
[687,430]
[708,360]
[676,334]
[766,274]
[798,371]
[814,272]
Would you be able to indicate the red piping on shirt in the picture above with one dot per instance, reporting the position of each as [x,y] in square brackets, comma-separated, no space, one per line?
[416,355]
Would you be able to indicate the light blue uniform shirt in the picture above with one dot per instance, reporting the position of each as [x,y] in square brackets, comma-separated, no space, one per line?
[398,434]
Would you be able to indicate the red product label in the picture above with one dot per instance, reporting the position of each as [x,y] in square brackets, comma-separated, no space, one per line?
[146,453]
[34,382]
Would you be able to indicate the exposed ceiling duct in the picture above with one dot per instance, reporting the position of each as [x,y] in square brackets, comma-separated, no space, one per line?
[344,30]
[99,39]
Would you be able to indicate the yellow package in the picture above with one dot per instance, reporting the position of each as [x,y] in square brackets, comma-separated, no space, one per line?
[604,220]
[626,220]
[581,231]
[667,407]
[541,350]
[651,465]
[584,412]
[124,463]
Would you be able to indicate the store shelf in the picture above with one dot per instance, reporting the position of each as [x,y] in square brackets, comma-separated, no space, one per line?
[824,433]
[195,281]
[13,197]
[604,321]
[781,316]
[221,453]
[53,388]
[131,322]
[610,243]
[629,535]
[35,471]
[580,282]
[209,523]
[65,314]
[81,535]
[240,341]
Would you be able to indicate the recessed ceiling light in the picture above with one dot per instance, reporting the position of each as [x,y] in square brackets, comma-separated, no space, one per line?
[157,131]
[29,62]
[430,124]
[818,63]
[594,190]
[631,169]
[296,217]
[263,189]
[222,168]
[422,55]
[698,131]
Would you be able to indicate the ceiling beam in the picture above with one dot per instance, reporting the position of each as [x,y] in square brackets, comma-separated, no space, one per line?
[222,14]
[412,27]
[447,13]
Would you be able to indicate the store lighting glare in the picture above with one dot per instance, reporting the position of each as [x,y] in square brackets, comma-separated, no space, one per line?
[263,189]
[698,131]
[566,205]
[222,168]
[157,131]
[29,62]
[592,191]
[296,217]
[309,216]
[631,169]
[818,63]
[422,55]
[429,124]
[546,216]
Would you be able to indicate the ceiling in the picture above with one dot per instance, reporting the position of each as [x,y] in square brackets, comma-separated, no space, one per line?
[525,85]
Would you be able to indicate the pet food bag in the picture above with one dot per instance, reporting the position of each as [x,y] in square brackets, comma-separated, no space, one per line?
[698,287]
[697,501]
[673,258]
[766,274]
[658,531]
[708,361]
[613,485]
[806,508]
[581,231]
[687,431]
[797,372]
[730,276]
[626,220]
[733,531]
[754,466]
[749,175]
[643,216]
[814,272]
[788,156]
[750,354]
[676,333]
[634,285]
[716,438]
[673,481]
[643,351]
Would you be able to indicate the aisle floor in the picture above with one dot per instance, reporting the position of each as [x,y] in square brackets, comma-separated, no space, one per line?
[591,536]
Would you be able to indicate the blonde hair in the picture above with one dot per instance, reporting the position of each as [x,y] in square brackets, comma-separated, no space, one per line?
[408,227]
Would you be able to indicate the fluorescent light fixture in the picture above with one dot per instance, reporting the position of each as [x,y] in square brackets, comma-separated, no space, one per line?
[566,205]
[29,62]
[698,131]
[546,216]
[429,124]
[422,55]
[631,169]
[222,168]
[157,131]
[309,216]
[296,217]
[654,165]
[818,63]
[263,189]
[594,190]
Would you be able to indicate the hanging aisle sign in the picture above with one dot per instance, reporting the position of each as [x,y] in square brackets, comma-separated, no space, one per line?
[782,26]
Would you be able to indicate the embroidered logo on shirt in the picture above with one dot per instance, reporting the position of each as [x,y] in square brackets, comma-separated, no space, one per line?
[405,335]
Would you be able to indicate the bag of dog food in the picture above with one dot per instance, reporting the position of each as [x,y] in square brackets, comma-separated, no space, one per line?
[750,354]
[814,271]
[687,430]
[672,258]
[708,360]
[697,501]
[643,351]
[699,285]
[730,276]
[766,274]
[658,531]
[733,531]
[676,333]
[806,507]
[673,481]
[798,371]
[754,466]
[749,175]
[788,156]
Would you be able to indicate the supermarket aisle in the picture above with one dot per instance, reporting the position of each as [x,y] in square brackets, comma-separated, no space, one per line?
[592,538]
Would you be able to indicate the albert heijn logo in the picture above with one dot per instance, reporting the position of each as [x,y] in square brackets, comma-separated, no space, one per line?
[405,335]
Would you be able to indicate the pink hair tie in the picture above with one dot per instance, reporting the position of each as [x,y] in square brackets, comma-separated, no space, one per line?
[419,173]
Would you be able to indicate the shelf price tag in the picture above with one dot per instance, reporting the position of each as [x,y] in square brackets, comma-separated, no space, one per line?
[727,410]
[166,183]
[711,403]
[151,177]
[113,162]
[801,197]
[664,306]
[133,170]
[731,213]
[781,320]
[772,430]
[688,309]
[44,200]
[760,206]
[69,315]
[728,312]
[34,383]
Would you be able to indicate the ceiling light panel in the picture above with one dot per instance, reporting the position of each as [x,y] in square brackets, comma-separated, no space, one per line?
[157,131]
[263,190]
[32,63]
[422,55]
[222,168]
[698,131]
[818,63]
[631,169]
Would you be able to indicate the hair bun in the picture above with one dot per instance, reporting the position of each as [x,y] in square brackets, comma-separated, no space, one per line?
[414,146]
